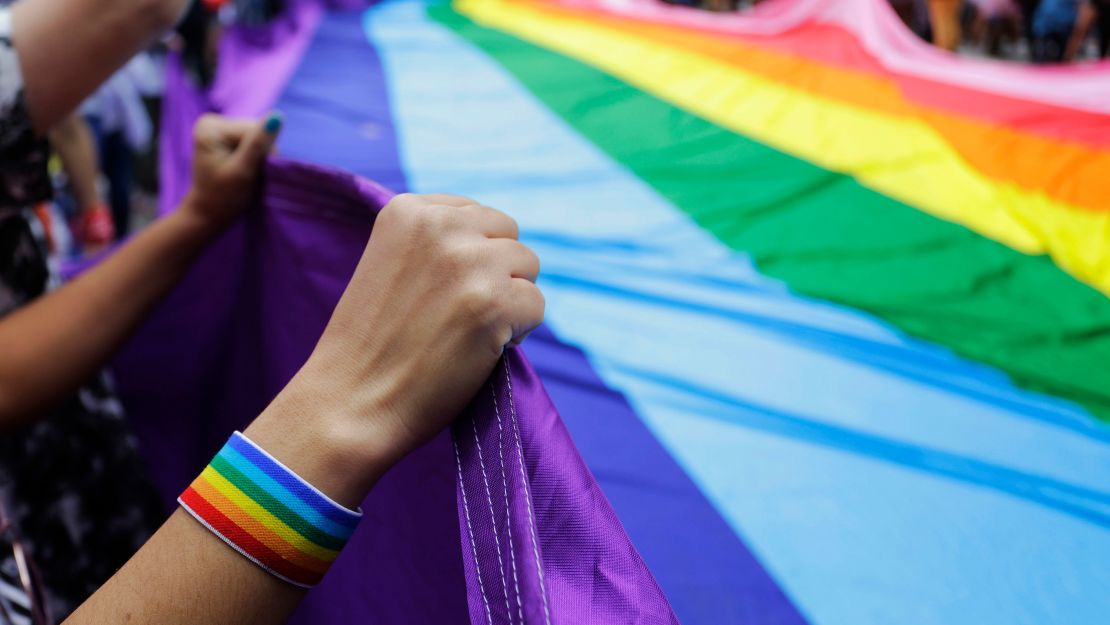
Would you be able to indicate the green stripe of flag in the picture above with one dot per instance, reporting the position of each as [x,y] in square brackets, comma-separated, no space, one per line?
[828,237]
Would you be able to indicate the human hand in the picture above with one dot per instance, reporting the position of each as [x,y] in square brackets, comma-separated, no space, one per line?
[442,287]
[227,160]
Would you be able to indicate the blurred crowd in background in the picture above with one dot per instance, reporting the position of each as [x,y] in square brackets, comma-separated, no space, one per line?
[105,164]
[1041,31]
[1038,31]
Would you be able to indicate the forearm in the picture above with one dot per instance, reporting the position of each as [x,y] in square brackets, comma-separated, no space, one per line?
[55,343]
[186,575]
[67,48]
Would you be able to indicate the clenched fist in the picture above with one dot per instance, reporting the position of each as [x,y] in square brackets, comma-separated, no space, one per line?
[442,288]
[227,160]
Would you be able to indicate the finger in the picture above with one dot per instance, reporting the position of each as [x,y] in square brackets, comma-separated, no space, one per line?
[490,221]
[521,261]
[527,307]
[257,142]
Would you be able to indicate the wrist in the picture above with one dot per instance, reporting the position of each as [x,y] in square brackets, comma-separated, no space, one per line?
[316,432]
[199,215]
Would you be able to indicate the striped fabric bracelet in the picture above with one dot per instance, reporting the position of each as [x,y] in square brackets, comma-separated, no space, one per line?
[268,513]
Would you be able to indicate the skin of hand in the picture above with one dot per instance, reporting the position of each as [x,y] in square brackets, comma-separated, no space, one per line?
[227,157]
[55,343]
[442,288]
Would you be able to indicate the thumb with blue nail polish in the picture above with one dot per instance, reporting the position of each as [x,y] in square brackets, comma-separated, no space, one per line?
[227,162]
[273,122]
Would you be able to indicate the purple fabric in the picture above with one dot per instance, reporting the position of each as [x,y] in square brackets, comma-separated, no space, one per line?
[524,532]
[541,544]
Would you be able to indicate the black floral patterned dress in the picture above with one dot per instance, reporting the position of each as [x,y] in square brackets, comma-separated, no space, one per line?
[71,482]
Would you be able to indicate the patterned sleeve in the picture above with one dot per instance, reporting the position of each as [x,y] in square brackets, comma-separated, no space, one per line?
[24,181]
[24,178]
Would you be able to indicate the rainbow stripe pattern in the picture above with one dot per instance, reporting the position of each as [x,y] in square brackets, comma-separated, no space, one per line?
[846,157]
[268,513]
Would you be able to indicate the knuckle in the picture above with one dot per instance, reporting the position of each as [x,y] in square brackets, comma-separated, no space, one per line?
[402,199]
[470,212]
[431,222]
[512,225]
[396,206]
[413,213]
[477,303]
[455,200]
[455,261]
[532,259]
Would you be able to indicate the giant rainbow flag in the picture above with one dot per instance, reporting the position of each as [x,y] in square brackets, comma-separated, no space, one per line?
[828,313]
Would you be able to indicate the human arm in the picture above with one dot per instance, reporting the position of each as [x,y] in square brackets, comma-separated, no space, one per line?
[53,344]
[442,287]
[67,48]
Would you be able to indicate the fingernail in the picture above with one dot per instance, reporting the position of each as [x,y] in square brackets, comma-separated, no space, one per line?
[273,123]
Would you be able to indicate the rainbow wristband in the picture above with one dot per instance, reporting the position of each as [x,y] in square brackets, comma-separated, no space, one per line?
[269,514]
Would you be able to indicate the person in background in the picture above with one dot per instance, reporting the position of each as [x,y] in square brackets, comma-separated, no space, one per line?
[915,15]
[1028,9]
[198,35]
[257,12]
[122,126]
[994,20]
[1102,22]
[944,15]
[90,221]
[75,502]
[74,495]
[1086,18]
[1058,30]
[73,141]
[905,11]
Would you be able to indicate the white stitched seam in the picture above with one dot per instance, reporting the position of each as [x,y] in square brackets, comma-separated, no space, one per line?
[470,530]
[493,522]
[527,495]
[505,491]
